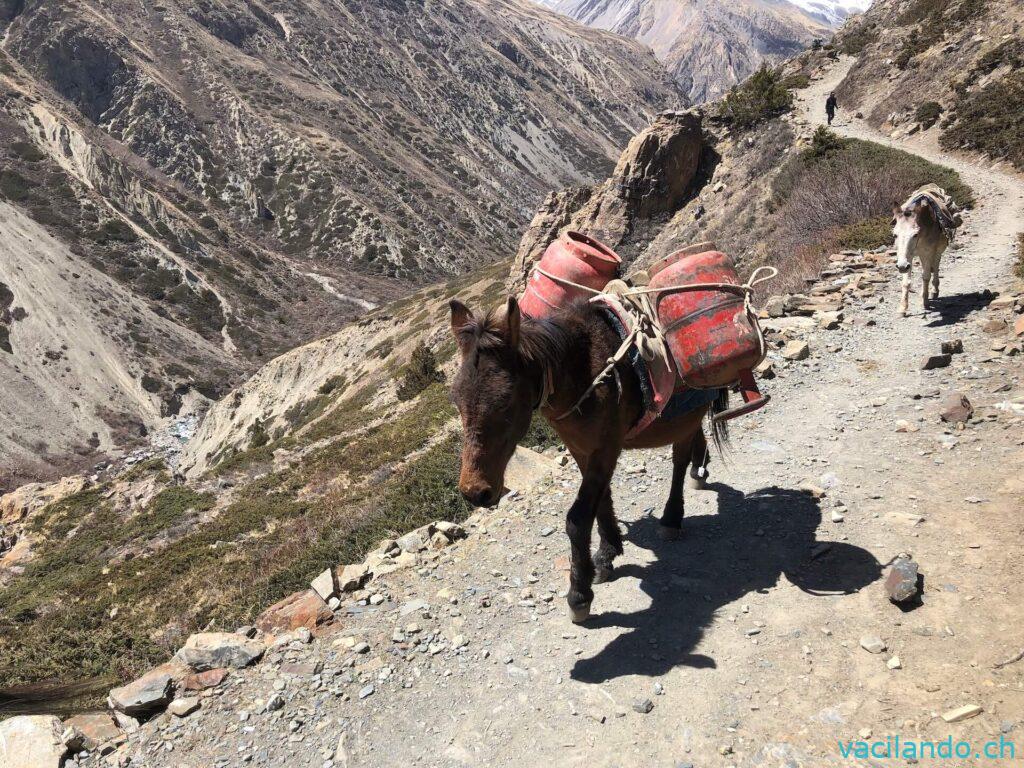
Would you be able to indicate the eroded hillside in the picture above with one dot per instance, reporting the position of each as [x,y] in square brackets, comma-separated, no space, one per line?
[219,182]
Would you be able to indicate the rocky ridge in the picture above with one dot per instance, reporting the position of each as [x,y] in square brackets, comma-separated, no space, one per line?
[708,46]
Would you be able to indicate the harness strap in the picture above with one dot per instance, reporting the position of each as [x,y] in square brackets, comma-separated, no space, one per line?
[646,333]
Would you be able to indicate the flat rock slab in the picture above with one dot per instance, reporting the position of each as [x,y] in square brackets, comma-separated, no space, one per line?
[151,692]
[965,712]
[901,583]
[300,610]
[31,741]
[214,650]
[93,729]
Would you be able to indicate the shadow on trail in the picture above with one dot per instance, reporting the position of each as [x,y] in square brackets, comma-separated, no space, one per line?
[719,560]
[955,307]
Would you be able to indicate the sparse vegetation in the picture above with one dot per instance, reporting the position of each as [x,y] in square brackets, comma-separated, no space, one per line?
[541,435]
[858,39]
[419,373]
[1018,268]
[760,97]
[988,120]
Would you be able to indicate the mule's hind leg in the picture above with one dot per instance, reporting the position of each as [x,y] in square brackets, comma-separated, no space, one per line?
[672,517]
[700,457]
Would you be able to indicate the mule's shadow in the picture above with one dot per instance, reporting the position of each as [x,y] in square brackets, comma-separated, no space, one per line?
[957,306]
[720,559]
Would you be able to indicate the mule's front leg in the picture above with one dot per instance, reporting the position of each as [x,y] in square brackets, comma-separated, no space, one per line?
[579,524]
[905,301]
[926,276]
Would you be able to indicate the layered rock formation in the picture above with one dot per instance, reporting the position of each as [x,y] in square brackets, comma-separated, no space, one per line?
[189,188]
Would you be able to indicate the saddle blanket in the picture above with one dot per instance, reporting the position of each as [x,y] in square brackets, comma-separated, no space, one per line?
[945,210]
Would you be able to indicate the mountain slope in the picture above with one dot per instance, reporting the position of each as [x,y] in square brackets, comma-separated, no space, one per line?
[710,46]
[251,174]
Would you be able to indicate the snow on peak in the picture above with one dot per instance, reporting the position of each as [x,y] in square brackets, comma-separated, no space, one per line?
[832,12]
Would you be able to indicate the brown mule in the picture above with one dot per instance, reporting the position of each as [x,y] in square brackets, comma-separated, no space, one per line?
[508,363]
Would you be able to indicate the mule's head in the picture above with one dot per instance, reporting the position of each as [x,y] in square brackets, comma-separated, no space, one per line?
[907,226]
[495,390]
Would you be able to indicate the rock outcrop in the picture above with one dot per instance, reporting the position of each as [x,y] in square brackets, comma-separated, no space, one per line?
[655,175]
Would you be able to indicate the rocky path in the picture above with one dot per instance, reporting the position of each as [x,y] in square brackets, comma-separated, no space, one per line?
[750,641]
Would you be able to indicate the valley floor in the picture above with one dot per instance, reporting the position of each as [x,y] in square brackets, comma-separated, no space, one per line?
[745,636]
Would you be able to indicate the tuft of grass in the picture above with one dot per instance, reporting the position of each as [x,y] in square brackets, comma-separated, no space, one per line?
[760,97]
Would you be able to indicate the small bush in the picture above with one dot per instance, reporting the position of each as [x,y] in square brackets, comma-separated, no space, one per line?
[420,373]
[797,81]
[27,152]
[928,113]
[760,97]
[14,186]
[258,436]
[332,384]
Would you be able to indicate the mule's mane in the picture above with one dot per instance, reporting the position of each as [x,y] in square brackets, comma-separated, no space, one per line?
[543,342]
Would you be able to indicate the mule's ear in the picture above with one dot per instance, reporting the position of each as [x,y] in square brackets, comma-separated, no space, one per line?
[897,209]
[513,319]
[462,316]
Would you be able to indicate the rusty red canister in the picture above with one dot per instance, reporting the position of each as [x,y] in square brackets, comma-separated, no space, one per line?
[573,257]
[713,342]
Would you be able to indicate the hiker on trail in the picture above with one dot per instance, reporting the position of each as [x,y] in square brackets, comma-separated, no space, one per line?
[830,107]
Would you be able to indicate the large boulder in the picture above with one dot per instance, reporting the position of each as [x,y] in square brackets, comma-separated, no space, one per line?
[31,741]
[215,650]
[303,609]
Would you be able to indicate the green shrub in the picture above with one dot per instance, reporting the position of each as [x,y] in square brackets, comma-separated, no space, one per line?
[989,120]
[760,97]
[258,436]
[796,81]
[928,113]
[27,151]
[420,373]
[14,186]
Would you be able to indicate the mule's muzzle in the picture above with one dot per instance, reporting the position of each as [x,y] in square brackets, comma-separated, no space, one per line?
[479,495]
[903,268]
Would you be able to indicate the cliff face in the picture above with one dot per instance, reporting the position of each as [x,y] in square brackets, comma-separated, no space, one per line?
[226,180]
[710,46]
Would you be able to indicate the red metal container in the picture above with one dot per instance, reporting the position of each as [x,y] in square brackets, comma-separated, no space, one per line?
[573,257]
[713,342]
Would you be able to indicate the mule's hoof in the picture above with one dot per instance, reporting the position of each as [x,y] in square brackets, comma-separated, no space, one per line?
[580,613]
[602,574]
[669,534]
[696,483]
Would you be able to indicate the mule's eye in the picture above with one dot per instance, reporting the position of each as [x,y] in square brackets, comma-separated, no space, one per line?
[908,214]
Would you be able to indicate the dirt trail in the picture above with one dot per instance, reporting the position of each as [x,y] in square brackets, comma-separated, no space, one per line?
[745,635]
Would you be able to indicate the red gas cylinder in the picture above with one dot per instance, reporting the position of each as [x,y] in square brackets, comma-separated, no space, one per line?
[573,257]
[713,342]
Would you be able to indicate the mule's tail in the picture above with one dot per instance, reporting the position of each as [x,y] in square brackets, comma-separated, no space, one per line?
[720,427]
